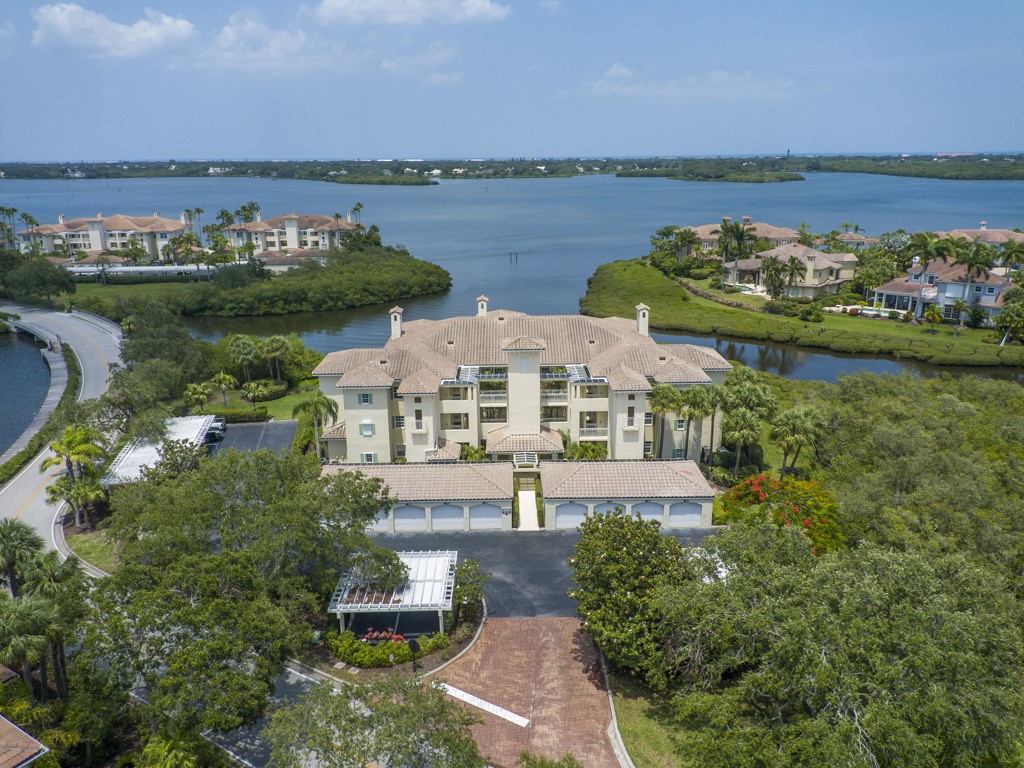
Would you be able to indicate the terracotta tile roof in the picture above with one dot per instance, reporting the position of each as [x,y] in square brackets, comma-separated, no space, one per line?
[501,440]
[17,748]
[705,358]
[899,285]
[461,481]
[994,236]
[524,343]
[335,432]
[366,375]
[759,229]
[119,222]
[805,255]
[431,350]
[623,479]
[318,221]
[447,450]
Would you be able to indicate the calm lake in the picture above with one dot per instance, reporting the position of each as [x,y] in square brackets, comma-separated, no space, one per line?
[531,244]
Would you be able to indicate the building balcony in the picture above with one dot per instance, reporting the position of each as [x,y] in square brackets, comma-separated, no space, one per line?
[493,419]
[590,432]
[554,396]
[494,396]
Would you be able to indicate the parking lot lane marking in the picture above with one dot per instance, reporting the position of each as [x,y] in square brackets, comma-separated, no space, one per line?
[486,706]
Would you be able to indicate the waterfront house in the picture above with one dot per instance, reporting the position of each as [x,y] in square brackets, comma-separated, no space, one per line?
[942,283]
[290,232]
[509,383]
[100,233]
[709,236]
[822,273]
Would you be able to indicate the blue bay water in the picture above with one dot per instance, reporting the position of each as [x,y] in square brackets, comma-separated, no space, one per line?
[531,244]
[26,379]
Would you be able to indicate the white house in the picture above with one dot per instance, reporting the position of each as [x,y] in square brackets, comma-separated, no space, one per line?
[942,283]
[290,232]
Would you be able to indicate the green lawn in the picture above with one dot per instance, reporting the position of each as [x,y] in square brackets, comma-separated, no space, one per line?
[280,409]
[151,291]
[651,736]
[617,287]
[94,548]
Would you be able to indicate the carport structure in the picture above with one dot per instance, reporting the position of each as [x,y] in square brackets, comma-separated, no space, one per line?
[429,588]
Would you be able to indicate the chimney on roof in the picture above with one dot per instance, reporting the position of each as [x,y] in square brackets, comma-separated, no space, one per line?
[642,315]
[727,218]
[348,217]
[746,219]
[984,225]
[156,214]
[99,215]
[396,322]
[181,217]
[259,215]
[481,306]
[60,219]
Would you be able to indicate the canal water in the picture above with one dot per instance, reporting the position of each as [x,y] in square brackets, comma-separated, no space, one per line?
[26,379]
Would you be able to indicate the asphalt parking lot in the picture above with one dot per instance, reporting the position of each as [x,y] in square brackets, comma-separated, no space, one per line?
[529,570]
[275,435]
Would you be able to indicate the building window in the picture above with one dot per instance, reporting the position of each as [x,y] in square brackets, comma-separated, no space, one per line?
[400,451]
[977,289]
[367,429]
[677,453]
[680,425]
[648,447]
[399,422]
[417,399]
[631,397]
[990,289]
[931,279]
[369,458]
[365,398]
[649,419]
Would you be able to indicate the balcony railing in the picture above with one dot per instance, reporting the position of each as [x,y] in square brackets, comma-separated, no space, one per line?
[497,396]
[557,395]
[493,419]
[593,431]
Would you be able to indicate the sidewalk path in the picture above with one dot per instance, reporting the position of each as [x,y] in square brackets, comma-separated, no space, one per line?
[546,671]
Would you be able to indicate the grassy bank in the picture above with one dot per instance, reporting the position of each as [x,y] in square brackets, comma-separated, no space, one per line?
[94,547]
[616,288]
[648,729]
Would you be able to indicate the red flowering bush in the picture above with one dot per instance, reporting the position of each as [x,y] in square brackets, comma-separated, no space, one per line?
[788,502]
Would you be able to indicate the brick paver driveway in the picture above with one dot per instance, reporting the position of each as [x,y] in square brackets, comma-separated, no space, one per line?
[547,671]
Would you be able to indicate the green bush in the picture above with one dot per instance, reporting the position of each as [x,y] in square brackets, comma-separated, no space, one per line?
[240,415]
[352,650]
[812,314]
[273,390]
[786,307]
[701,274]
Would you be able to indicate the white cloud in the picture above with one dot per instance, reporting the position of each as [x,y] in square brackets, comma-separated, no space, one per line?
[246,43]
[410,11]
[433,56]
[443,79]
[72,25]
[715,85]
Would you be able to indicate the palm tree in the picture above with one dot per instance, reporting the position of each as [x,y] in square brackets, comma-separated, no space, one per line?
[715,400]
[933,315]
[174,747]
[976,259]
[197,394]
[253,392]
[224,381]
[19,543]
[686,240]
[734,236]
[772,276]
[78,446]
[846,226]
[319,407]
[225,217]
[961,308]
[693,405]
[24,623]
[793,270]
[1011,254]
[30,223]
[356,211]
[924,246]
[63,583]
[664,399]
[275,349]
[741,427]
[792,430]
[244,352]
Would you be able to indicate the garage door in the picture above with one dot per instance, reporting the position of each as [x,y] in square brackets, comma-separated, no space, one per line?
[609,506]
[484,517]
[380,523]
[409,518]
[649,510]
[447,517]
[569,515]
[685,514]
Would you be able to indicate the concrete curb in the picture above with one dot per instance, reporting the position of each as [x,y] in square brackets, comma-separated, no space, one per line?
[60,543]
[618,746]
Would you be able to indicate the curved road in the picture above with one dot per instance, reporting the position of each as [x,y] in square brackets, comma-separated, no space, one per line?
[97,343]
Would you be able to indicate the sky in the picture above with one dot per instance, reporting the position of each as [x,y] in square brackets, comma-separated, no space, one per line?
[342,79]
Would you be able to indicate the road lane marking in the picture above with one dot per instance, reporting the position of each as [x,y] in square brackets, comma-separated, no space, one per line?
[486,706]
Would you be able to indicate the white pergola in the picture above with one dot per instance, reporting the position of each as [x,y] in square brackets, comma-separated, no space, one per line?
[429,588]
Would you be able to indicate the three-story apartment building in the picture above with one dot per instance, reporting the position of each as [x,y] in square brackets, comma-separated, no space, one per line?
[511,383]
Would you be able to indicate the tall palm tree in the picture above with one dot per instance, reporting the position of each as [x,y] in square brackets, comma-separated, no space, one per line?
[320,407]
[663,400]
[61,581]
[773,276]
[686,240]
[76,447]
[30,223]
[244,352]
[198,394]
[275,349]
[1011,254]
[740,427]
[795,429]
[253,392]
[693,403]
[976,259]
[924,246]
[24,623]
[224,381]
[734,241]
[19,543]
[225,217]
[715,400]
[794,269]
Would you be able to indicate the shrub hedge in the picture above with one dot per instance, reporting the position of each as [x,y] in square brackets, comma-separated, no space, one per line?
[273,390]
[352,650]
[240,415]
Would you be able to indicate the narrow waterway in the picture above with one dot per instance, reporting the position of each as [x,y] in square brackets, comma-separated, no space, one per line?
[26,379]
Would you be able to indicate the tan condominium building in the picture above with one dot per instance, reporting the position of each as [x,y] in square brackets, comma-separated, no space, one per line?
[512,383]
[293,231]
[103,233]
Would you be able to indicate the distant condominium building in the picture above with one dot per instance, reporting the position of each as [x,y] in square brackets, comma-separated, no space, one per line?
[509,383]
[290,232]
[102,233]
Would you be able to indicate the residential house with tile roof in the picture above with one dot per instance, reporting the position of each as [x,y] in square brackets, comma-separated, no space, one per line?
[708,234]
[91,236]
[290,232]
[511,382]
[942,283]
[823,273]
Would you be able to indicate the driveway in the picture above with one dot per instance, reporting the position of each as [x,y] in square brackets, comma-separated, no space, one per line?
[275,435]
[529,570]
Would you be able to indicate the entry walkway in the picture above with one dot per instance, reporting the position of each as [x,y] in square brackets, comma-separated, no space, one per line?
[546,673]
[528,510]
